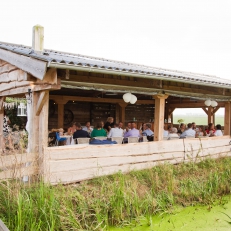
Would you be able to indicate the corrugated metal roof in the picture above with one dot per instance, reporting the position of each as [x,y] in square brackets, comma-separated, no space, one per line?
[57,57]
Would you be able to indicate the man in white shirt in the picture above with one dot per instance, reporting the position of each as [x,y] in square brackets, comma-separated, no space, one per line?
[218,131]
[189,132]
[116,131]
[128,128]
[88,128]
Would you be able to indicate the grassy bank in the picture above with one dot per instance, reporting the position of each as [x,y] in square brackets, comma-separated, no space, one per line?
[113,200]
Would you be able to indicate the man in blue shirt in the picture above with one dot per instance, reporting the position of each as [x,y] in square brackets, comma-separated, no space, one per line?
[147,131]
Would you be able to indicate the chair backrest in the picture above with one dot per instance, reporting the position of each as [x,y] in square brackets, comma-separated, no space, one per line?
[119,140]
[57,136]
[174,138]
[145,139]
[190,137]
[83,140]
[100,137]
[133,139]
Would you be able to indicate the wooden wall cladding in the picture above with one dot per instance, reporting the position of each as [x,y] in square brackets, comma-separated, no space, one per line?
[139,113]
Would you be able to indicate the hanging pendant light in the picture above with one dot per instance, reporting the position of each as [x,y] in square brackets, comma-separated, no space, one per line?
[127,97]
[208,102]
[213,103]
[133,99]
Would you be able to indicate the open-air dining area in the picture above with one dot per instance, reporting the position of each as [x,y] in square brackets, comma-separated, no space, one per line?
[89,116]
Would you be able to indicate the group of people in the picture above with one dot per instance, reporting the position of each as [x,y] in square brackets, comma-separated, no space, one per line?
[111,129]
[193,131]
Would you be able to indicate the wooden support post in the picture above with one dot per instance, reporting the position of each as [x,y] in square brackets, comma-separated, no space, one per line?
[1,122]
[210,115]
[117,114]
[60,115]
[227,118]
[44,95]
[122,112]
[43,133]
[159,116]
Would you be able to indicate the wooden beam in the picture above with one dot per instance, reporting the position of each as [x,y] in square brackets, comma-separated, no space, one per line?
[58,98]
[33,66]
[227,119]
[50,77]
[23,90]
[159,116]
[205,110]
[145,83]
[215,110]
[43,97]
[122,112]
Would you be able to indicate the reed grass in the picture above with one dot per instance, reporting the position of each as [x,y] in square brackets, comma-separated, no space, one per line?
[116,200]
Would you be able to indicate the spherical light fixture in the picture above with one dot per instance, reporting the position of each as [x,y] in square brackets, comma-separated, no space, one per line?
[133,99]
[213,103]
[208,102]
[127,97]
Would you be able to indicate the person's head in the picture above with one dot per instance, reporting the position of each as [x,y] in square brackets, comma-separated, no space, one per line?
[193,125]
[133,125]
[110,120]
[169,127]
[182,126]
[129,125]
[218,127]
[201,128]
[78,126]
[189,125]
[148,126]
[211,126]
[102,123]
[116,125]
[120,125]
[88,124]
[99,125]
[73,125]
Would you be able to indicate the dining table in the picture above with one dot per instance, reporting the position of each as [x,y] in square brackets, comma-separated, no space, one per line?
[70,140]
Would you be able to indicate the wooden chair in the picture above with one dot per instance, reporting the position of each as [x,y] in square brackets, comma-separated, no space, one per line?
[133,139]
[83,140]
[119,140]
[100,138]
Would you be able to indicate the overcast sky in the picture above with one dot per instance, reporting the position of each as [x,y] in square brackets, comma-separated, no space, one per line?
[190,35]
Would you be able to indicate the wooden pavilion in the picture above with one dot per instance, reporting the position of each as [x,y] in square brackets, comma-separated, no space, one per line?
[65,86]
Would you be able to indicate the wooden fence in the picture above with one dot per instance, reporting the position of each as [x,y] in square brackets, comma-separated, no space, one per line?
[67,164]
[18,165]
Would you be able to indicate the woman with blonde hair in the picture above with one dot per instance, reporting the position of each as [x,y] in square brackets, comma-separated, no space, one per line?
[109,124]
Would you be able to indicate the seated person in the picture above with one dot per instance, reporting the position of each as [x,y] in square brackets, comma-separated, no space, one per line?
[109,124]
[88,128]
[181,128]
[133,132]
[201,131]
[210,130]
[71,129]
[189,132]
[116,131]
[165,132]
[98,131]
[128,127]
[173,133]
[218,131]
[147,130]
[79,133]
[121,125]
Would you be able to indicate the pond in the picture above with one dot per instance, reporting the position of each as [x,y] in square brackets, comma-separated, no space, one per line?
[199,218]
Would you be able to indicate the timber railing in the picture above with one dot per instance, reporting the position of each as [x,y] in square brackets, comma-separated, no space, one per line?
[67,164]
[13,166]
[3,226]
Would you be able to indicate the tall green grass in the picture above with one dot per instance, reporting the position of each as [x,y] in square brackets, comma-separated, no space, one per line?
[117,200]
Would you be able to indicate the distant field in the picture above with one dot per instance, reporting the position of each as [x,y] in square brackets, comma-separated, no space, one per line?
[200,120]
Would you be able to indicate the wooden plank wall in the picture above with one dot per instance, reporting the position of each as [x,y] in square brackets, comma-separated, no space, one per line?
[11,77]
[18,165]
[67,164]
